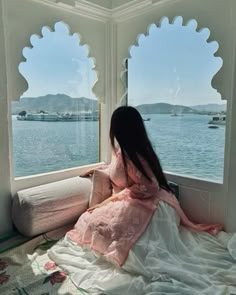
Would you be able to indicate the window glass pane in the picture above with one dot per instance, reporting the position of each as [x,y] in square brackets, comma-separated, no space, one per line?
[55,124]
[169,82]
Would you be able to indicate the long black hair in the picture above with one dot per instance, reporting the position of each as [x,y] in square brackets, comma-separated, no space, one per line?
[128,129]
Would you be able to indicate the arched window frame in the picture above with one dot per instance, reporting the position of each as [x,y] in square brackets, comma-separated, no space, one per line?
[124,74]
[78,22]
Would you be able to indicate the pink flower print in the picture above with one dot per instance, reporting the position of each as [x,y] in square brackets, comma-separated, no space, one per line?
[3,264]
[50,265]
[4,278]
[57,277]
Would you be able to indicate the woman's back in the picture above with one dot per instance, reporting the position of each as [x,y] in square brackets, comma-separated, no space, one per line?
[132,180]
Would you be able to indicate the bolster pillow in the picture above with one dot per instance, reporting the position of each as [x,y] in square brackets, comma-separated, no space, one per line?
[47,207]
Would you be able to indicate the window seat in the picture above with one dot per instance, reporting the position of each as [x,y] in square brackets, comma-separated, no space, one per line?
[48,207]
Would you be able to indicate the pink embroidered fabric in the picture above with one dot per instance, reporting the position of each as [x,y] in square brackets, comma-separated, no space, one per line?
[113,229]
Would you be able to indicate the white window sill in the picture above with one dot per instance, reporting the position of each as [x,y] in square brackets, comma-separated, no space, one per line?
[20,183]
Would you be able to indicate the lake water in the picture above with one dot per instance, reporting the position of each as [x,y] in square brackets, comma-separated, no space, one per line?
[184,144]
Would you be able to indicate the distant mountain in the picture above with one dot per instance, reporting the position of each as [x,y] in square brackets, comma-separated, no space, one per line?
[164,108]
[54,103]
[211,107]
[64,103]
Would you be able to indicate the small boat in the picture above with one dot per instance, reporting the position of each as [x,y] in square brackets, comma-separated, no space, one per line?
[176,114]
[177,111]
[147,119]
[218,120]
[213,126]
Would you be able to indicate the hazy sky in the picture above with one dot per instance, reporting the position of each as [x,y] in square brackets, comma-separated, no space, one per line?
[174,64]
[58,64]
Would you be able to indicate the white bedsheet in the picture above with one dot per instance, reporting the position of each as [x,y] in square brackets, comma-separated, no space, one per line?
[167,259]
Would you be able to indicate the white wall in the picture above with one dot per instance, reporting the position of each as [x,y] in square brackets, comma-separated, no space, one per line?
[23,18]
[5,189]
[230,171]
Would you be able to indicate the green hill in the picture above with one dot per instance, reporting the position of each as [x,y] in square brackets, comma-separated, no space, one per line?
[54,103]
[211,107]
[164,108]
[63,103]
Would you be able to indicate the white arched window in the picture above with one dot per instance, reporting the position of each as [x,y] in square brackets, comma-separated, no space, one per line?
[55,124]
[169,81]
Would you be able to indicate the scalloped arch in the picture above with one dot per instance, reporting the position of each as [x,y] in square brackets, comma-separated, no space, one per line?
[39,35]
[122,100]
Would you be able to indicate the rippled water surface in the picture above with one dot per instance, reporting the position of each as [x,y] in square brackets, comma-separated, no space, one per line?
[185,145]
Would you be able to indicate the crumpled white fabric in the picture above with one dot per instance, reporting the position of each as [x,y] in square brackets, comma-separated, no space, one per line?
[167,259]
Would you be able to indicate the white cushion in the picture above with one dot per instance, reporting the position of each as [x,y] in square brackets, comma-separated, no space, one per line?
[46,207]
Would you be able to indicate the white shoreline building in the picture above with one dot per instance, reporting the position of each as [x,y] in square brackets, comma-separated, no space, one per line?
[60,117]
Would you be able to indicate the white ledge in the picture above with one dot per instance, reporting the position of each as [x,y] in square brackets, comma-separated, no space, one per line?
[24,182]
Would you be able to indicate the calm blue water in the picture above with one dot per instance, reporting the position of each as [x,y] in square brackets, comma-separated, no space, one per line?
[184,144]
[40,147]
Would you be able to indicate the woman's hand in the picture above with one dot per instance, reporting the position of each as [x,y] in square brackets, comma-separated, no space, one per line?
[94,207]
[91,171]
[87,173]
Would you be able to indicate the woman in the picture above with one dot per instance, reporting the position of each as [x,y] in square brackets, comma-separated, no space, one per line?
[134,153]
[137,228]
[114,226]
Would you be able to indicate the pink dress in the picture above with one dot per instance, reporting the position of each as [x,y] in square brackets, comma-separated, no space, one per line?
[113,229]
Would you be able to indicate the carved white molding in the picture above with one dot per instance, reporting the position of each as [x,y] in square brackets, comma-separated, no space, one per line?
[141,12]
[97,12]
[123,72]
[46,15]
[70,33]
[93,11]
[66,2]
[81,8]
[129,30]
[136,8]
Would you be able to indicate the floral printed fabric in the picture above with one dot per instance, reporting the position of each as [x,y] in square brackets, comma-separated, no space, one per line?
[4,277]
[50,265]
[55,277]
[3,264]
[22,273]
